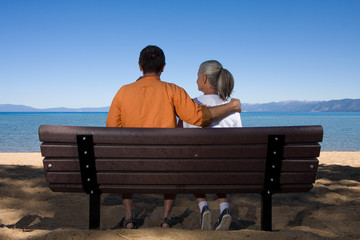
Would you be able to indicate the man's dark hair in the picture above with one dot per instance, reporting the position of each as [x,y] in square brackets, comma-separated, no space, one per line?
[152,59]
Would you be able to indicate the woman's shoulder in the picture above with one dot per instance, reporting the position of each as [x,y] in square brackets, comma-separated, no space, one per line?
[211,100]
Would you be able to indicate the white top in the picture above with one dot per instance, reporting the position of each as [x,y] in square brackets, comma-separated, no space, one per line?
[232,120]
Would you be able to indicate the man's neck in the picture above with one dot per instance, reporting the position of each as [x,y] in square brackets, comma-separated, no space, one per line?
[151,74]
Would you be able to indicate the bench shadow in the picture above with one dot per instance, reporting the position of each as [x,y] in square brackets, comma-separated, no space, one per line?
[332,173]
[26,223]
[338,172]
[25,182]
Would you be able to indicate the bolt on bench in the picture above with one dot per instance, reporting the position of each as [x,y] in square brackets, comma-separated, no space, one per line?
[264,160]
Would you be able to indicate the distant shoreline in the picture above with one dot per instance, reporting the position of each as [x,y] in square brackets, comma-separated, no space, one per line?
[343,105]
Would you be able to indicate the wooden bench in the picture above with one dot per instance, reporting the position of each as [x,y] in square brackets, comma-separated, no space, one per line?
[264,160]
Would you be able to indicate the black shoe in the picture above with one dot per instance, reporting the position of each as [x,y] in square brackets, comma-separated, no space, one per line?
[224,220]
[205,220]
[166,221]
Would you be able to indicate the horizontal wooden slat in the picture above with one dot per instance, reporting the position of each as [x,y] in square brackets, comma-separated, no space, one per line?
[184,165]
[184,189]
[294,134]
[180,178]
[160,178]
[305,150]
[157,151]
[182,151]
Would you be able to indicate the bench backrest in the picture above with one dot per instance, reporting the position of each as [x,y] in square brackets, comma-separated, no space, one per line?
[155,160]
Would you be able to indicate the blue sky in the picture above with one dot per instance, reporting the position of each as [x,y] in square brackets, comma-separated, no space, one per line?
[77,53]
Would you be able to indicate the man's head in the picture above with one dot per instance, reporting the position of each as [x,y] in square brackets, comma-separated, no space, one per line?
[152,59]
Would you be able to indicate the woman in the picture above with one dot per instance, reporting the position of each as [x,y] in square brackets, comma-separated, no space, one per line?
[217,85]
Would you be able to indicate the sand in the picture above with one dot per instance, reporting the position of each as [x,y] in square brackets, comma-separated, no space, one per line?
[30,210]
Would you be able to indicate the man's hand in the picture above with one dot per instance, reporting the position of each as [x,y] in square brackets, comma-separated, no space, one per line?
[237,104]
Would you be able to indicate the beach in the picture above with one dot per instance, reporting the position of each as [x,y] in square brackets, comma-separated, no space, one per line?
[30,210]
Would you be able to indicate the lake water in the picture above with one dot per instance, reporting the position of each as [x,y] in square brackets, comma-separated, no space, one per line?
[19,131]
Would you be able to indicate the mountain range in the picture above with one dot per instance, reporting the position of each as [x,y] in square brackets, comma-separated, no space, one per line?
[343,105]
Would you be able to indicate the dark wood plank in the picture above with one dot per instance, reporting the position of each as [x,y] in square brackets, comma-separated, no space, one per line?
[51,133]
[296,178]
[302,150]
[184,165]
[182,151]
[58,150]
[157,151]
[181,178]
[300,165]
[160,178]
[185,189]
[61,164]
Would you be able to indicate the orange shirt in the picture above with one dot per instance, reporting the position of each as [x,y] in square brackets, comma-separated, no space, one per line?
[150,102]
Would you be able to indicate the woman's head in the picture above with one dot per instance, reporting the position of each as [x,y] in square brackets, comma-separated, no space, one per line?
[221,79]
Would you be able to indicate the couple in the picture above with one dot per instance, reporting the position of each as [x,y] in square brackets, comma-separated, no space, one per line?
[150,102]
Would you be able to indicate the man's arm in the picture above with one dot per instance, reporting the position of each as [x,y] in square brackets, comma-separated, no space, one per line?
[222,111]
[114,116]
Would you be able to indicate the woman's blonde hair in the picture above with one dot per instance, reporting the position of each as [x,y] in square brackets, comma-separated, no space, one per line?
[219,78]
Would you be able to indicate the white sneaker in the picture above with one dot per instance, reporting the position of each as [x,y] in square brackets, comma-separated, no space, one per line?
[205,220]
[224,221]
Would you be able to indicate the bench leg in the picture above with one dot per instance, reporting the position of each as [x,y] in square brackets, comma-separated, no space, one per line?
[266,211]
[94,213]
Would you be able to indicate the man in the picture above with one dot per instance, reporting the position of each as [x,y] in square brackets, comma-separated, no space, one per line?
[150,102]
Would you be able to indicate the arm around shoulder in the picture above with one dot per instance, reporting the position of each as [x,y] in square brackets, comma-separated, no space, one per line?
[222,111]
